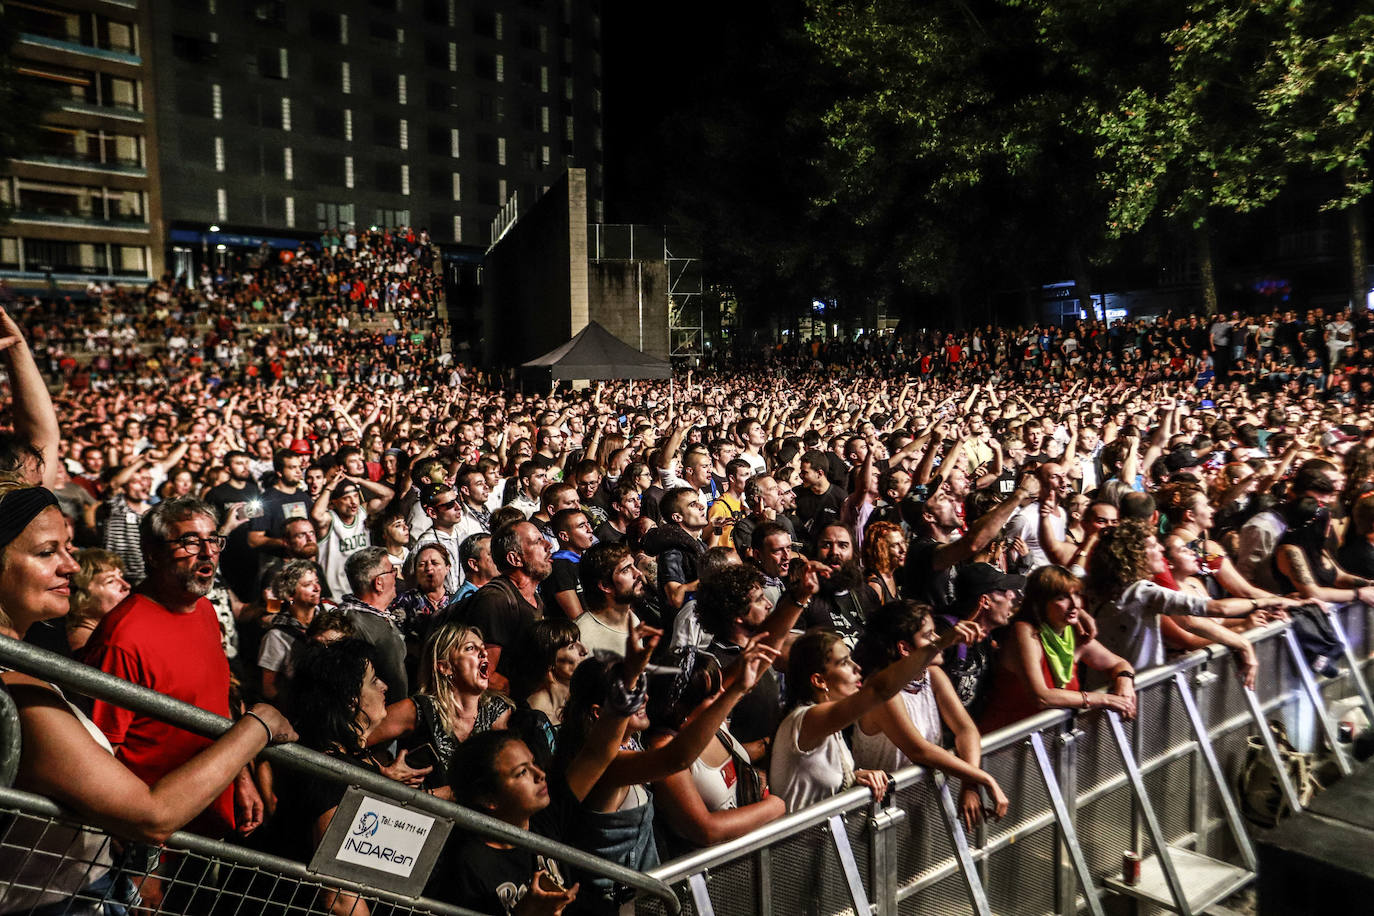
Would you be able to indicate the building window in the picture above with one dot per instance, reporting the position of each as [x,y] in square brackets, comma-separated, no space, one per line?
[568,128]
[348,124]
[452,57]
[348,171]
[404,137]
[405,179]
[453,142]
[285,113]
[543,79]
[500,150]
[457,186]
[401,89]
[501,190]
[222,204]
[500,68]
[290,212]
[544,118]
[334,216]
[345,78]
[457,228]
[343,28]
[219,154]
[568,88]
[216,102]
[288,165]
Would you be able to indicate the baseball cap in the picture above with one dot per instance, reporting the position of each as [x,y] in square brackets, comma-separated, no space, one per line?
[1336,436]
[300,446]
[977,579]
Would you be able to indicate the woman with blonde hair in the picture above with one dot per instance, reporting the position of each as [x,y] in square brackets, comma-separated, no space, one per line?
[96,587]
[452,702]
[884,552]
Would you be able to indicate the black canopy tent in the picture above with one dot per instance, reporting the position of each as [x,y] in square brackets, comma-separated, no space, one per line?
[595,354]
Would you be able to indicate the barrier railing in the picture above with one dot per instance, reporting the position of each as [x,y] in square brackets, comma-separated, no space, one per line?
[1085,788]
[80,679]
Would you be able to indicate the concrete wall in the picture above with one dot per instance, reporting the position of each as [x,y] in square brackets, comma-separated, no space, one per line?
[539,289]
[535,279]
[629,299]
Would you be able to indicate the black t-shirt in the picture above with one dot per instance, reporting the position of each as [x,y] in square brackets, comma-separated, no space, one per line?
[562,579]
[488,880]
[226,495]
[844,612]
[759,712]
[278,508]
[970,668]
[502,614]
[816,511]
[923,582]
[608,534]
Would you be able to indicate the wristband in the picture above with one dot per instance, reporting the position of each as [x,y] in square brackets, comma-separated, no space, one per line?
[626,701]
[1127,674]
[261,721]
[1085,699]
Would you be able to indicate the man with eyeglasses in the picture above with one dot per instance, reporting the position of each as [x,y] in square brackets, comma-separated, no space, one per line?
[165,636]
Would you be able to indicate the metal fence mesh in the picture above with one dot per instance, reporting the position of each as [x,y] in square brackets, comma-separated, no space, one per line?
[55,859]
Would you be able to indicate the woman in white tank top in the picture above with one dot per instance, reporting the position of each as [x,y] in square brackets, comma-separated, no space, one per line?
[700,805]
[810,761]
[908,728]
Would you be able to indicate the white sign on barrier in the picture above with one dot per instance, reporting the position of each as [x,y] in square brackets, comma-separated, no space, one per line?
[385,837]
[380,843]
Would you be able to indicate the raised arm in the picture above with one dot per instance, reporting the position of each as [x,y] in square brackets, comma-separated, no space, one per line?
[35,419]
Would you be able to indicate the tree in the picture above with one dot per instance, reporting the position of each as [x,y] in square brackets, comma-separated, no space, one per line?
[1189,144]
[1318,86]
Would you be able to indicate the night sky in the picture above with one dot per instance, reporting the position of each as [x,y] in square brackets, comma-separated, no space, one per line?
[665,61]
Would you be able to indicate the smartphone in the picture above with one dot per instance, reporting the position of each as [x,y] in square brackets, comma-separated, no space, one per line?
[255,508]
[422,757]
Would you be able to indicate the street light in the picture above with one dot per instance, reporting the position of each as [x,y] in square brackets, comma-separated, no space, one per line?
[214,228]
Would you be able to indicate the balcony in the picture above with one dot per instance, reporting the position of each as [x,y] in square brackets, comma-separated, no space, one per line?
[110,110]
[86,164]
[89,220]
[56,44]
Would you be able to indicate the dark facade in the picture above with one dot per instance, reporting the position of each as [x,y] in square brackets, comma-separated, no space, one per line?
[284,118]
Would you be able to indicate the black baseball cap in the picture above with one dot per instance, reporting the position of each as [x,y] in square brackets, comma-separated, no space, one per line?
[977,579]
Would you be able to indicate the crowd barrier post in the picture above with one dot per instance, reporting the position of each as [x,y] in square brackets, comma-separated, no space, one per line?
[883,822]
[1348,651]
[977,895]
[1068,831]
[78,678]
[839,839]
[9,740]
[1314,697]
[1066,876]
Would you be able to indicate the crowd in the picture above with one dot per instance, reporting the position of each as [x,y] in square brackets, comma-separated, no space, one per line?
[638,618]
[290,317]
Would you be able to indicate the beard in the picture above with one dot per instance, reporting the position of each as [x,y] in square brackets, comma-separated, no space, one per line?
[194,581]
[845,578]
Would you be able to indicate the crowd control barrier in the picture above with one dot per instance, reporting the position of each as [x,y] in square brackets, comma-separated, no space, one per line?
[1085,788]
[226,878]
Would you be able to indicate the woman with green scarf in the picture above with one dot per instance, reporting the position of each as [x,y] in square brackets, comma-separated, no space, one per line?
[1037,668]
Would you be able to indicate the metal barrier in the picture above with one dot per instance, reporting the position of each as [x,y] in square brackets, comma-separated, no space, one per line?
[81,679]
[1084,789]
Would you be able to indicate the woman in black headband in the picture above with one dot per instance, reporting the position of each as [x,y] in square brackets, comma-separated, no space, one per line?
[67,759]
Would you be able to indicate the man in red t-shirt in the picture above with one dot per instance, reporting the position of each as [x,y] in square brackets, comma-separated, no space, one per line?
[166,636]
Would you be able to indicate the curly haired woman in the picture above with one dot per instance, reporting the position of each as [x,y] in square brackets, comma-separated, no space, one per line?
[1127,603]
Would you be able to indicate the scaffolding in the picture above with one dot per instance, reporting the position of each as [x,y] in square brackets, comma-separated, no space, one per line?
[686,286]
